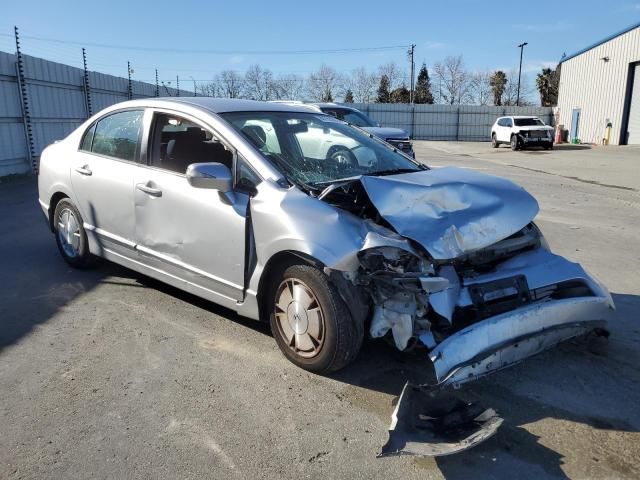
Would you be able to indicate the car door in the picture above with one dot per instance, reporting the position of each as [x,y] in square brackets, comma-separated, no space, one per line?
[194,234]
[505,130]
[102,176]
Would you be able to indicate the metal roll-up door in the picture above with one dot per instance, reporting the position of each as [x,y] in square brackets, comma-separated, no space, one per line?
[634,110]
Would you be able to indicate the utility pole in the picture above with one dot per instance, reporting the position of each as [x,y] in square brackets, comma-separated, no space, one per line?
[129,86]
[195,94]
[521,47]
[413,71]
[87,87]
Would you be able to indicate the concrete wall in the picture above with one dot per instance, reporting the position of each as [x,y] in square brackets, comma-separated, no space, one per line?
[597,87]
[57,105]
[446,122]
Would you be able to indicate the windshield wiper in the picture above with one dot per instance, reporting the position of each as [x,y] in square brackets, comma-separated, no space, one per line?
[394,171]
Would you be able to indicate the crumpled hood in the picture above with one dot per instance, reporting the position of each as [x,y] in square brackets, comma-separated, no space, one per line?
[451,211]
[384,132]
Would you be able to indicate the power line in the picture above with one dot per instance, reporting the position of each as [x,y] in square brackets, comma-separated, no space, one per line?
[214,52]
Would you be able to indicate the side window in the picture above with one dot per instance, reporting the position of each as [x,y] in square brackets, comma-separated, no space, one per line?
[118,135]
[87,138]
[177,142]
[508,122]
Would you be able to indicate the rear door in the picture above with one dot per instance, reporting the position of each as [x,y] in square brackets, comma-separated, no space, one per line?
[102,177]
[194,234]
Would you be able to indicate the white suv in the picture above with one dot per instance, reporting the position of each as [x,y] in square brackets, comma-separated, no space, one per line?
[521,132]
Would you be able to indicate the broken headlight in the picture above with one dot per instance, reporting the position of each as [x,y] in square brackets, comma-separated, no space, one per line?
[393,260]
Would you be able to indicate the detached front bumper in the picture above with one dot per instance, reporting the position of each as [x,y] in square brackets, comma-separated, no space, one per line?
[502,340]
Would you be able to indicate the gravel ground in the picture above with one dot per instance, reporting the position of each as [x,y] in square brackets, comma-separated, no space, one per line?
[108,374]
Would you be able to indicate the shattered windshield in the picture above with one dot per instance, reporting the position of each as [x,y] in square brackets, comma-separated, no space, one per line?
[528,122]
[314,149]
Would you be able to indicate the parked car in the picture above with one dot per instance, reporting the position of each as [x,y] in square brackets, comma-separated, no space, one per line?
[521,132]
[395,136]
[222,199]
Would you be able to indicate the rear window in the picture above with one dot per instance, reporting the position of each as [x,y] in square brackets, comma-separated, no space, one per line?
[118,135]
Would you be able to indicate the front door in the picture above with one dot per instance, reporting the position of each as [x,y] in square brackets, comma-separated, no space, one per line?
[194,234]
[575,125]
[102,177]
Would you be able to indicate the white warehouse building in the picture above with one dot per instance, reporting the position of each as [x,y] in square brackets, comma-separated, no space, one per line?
[600,86]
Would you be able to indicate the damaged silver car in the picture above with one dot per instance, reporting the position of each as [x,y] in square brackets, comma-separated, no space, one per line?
[296,218]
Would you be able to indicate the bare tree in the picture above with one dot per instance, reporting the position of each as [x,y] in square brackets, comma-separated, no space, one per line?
[258,83]
[393,73]
[229,84]
[510,94]
[208,89]
[454,80]
[363,85]
[288,87]
[480,88]
[325,84]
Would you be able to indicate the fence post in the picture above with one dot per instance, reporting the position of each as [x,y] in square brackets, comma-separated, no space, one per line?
[129,86]
[458,126]
[413,121]
[87,87]
[24,103]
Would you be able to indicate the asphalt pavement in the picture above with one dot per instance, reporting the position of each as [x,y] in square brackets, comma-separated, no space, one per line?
[108,374]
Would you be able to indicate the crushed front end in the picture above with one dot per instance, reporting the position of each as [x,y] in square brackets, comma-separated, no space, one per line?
[483,311]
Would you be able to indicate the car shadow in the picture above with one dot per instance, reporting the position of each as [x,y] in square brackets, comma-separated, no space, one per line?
[35,282]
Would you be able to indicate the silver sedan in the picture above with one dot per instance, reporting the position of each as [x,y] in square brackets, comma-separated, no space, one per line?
[296,218]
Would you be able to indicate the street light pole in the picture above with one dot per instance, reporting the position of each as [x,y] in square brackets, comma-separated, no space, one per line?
[521,47]
[195,94]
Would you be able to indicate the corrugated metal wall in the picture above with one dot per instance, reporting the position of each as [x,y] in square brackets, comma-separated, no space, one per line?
[597,87]
[57,104]
[447,122]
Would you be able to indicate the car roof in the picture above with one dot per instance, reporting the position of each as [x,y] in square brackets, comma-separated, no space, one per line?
[226,105]
[332,105]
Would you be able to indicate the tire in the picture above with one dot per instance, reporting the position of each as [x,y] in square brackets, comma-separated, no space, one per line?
[328,338]
[343,157]
[548,146]
[71,236]
[494,141]
[515,143]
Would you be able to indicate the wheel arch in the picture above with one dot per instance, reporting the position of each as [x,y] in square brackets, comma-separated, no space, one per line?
[53,203]
[277,263]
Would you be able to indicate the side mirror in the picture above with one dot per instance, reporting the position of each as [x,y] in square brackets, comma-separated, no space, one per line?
[215,176]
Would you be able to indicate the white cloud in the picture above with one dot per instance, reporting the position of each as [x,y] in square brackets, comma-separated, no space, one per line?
[557,26]
[431,45]
[236,59]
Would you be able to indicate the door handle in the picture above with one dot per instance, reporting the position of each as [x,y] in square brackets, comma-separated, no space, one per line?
[154,192]
[84,170]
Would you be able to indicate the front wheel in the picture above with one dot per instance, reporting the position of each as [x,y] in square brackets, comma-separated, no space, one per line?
[71,236]
[310,322]
[515,143]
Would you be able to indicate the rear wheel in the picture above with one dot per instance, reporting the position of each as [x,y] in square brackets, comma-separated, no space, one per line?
[343,157]
[515,142]
[494,141]
[310,322]
[71,236]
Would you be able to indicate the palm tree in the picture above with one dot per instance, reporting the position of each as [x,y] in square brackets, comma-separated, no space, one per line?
[547,82]
[498,81]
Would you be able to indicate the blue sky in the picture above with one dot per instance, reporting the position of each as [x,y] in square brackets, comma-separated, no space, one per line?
[485,33]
